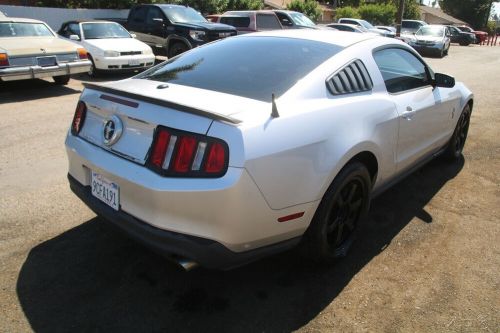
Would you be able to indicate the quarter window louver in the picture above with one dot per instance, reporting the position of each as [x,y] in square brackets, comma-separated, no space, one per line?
[352,78]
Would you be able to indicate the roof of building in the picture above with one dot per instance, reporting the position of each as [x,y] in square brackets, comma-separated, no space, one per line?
[440,14]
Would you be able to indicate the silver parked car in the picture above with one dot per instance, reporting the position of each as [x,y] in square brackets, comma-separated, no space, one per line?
[221,156]
[431,39]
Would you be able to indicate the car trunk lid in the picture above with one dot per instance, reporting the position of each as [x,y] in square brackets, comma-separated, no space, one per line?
[142,105]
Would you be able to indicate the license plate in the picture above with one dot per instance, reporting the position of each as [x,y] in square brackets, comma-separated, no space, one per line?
[105,190]
[134,62]
[46,61]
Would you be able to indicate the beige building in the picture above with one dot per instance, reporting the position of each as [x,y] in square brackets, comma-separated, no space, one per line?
[437,16]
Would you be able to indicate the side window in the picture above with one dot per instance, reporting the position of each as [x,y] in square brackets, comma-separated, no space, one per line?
[153,13]
[74,29]
[138,15]
[267,22]
[236,21]
[284,20]
[401,70]
[350,22]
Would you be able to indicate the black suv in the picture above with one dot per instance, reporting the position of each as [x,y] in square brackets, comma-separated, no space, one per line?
[173,29]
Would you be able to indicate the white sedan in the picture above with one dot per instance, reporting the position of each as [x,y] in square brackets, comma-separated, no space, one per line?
[110,46]
[248,146]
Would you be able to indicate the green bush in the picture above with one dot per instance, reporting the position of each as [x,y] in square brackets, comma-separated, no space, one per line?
[347,12]
[309,8]
[383,14]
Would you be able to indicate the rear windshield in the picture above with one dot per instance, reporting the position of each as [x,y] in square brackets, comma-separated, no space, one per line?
[252,67]
[24,29]
[236,21]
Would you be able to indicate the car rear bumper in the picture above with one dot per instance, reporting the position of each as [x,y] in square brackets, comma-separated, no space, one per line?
[125,63]
[205,252]
[37,72]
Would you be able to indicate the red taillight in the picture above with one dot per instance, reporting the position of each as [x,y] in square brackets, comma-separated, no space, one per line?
[78,118]
[4,60]
[216,158]
[160,148]
[184,154]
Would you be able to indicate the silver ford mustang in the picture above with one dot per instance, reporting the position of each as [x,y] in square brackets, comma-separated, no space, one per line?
[250,145]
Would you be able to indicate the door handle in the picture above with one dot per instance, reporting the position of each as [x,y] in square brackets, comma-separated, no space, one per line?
[408,114]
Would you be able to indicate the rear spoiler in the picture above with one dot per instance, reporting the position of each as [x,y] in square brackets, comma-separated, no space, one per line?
[161,102]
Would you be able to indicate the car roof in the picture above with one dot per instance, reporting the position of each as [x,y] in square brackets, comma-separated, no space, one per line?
[340,38]
[236,12]
[19,20]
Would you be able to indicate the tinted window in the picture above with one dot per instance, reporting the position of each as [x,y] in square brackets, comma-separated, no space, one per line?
[267,22]
[138,15]
[238,65]
[153,13]
[401,70]
[350,22]
[236,21]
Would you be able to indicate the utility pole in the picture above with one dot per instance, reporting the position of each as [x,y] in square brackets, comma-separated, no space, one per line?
[399,17]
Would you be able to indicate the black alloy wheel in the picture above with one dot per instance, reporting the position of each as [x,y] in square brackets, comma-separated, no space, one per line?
[457,141]
[339,214]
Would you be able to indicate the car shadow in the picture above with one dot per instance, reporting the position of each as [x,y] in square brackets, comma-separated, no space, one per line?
[27,90]
[91,278]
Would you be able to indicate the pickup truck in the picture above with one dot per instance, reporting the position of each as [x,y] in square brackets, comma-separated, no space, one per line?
[172,29]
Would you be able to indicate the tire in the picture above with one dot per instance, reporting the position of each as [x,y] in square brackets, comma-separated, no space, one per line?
[176,49]
[457,142]
[61,80]
[441,53]
[343,207]
[446,51]
[93,71]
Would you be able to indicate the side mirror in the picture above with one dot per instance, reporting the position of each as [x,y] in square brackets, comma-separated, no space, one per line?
[74,37]
[444,81]
[133,35]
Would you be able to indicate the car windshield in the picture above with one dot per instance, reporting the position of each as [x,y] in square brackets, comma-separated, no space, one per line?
[253,67]
[103,30]
[366,24]
[24,29]
[301,19]
[430,31]
[179,14]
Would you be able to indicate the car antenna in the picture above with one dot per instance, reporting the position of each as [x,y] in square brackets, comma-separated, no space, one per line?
[274,111]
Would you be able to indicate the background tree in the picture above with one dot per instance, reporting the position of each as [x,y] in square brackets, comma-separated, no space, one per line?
[244,4]
[382,14]
[310,8]
[347,12]
[203,6]
[474,12]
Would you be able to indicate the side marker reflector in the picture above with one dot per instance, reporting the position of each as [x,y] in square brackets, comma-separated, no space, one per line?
[290,217]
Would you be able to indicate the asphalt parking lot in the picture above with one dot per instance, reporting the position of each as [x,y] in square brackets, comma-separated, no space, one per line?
[427,260]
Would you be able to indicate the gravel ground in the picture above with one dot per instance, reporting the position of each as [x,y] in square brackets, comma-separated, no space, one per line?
[428,259]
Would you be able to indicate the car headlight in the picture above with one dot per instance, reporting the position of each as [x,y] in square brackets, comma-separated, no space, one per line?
[197,35]
[147,51]
[111,53]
